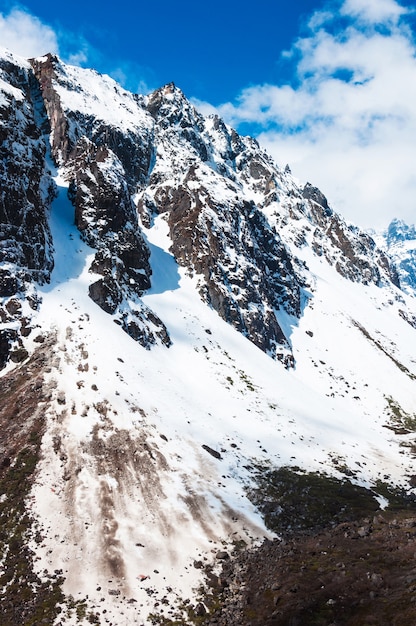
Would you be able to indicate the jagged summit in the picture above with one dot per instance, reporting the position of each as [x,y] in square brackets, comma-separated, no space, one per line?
[399,231]
[179,316]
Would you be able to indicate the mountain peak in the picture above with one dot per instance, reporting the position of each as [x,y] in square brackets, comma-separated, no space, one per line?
[169,101]
[170,89]
[398,231]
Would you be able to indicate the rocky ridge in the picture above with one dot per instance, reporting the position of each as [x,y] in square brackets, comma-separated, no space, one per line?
[236,220]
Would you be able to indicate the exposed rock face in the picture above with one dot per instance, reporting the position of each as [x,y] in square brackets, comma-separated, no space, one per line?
[245,271]
[103,206]
[25,193]
[353,252]
[103,165]
[44,70]
[80,105]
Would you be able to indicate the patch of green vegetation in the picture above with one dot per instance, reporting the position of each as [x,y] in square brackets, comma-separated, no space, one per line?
[161,620]
[246,380]
[293,500]
[397,497]
[80,608]
[401,422]
[188,617]
[341,465]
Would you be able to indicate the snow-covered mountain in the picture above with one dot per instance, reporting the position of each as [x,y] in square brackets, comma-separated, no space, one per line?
[176,311]
[399,242]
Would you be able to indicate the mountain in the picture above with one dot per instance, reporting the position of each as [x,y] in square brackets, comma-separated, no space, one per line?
[180,319]
[399,242]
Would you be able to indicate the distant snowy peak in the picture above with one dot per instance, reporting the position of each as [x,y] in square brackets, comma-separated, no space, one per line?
[398,232]
[399,242]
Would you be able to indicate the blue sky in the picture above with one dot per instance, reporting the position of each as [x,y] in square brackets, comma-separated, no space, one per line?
[327,86]
[210,50]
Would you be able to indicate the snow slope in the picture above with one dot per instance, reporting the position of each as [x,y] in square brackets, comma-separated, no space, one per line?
[127,496]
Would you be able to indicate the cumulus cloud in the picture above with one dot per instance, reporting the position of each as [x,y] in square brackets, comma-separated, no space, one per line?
[26,35]
[373,11]
[347,121]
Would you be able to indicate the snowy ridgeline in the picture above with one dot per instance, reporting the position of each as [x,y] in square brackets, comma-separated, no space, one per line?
[184,313]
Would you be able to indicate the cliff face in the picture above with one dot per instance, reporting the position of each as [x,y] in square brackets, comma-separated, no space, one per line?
[25,195]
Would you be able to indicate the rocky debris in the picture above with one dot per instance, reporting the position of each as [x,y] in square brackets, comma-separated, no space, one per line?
[22,391]
[358,573]
[336,559]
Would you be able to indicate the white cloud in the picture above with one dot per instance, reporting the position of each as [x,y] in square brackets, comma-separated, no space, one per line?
[26,35]
[347,123]
[374,11]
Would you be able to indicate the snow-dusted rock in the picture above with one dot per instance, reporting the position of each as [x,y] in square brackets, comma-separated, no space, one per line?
[26,190]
